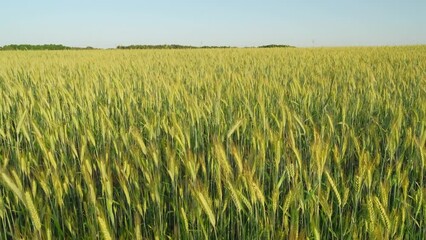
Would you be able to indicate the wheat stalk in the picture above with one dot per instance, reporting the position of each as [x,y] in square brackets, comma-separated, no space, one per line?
[33,211]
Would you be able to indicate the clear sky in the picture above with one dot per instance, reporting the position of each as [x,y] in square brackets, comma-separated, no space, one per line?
[108,23]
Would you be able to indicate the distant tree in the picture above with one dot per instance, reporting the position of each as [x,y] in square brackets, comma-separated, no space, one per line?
[276,46]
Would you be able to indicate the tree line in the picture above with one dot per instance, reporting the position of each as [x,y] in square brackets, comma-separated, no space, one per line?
[164,46]
[40,47]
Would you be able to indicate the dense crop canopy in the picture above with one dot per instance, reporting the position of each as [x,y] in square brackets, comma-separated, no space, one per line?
[213,143]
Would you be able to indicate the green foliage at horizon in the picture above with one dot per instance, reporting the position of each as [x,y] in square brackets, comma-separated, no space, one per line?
[35,47]
[166,46]
[276,46]
[280,143]
[40,47]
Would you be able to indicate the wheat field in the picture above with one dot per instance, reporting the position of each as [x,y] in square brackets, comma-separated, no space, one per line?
[213,144]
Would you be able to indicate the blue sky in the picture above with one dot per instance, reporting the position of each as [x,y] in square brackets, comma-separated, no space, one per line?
[107,23]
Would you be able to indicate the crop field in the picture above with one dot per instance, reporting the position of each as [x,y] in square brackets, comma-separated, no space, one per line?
[326,143]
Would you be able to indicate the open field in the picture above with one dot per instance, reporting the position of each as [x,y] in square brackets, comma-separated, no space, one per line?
[213,143]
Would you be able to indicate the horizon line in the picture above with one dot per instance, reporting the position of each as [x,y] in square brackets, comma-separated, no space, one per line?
[182,46]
